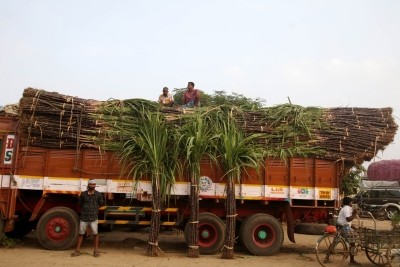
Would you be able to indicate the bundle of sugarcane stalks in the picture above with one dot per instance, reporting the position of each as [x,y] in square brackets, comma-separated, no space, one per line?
[50,119]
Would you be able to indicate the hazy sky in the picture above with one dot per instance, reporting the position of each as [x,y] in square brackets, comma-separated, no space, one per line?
[317,53]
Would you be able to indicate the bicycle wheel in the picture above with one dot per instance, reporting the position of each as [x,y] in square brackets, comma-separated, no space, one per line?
[393,253]
[376,254]
[331,250]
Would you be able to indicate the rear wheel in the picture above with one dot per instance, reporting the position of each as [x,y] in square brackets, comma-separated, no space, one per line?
[57,229]
[21,228]
[393,253]
[211,233]
[376,254]
[261,234]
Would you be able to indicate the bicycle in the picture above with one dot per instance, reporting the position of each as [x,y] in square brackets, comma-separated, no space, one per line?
[333,248]
[382,247]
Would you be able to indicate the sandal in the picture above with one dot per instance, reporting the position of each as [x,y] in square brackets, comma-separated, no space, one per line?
[96,254]
[75,254]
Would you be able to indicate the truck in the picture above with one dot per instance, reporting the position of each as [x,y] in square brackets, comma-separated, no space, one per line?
[40,188]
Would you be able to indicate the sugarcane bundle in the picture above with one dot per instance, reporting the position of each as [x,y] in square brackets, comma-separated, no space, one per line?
[53,120]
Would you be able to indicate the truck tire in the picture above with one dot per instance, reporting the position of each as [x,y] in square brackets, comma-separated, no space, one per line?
[261,234]
[57,228]
[310,228]
[21,228]
[211,233]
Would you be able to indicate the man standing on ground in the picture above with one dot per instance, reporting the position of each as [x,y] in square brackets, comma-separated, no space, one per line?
[90,201]
[191,97]
[166,99]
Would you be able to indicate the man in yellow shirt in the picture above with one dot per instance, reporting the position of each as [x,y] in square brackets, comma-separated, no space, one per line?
[166,99]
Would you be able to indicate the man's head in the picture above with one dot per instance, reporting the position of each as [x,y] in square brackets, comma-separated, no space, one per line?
[165,91]
[190,86]
[347,201]
[92,184]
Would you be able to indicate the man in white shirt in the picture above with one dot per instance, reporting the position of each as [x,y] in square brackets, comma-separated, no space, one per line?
[346,215]
[166,99]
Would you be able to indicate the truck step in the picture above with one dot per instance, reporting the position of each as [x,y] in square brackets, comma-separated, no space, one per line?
[135,215]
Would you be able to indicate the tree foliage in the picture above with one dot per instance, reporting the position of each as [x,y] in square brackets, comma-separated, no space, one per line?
[222,98]
[350,183]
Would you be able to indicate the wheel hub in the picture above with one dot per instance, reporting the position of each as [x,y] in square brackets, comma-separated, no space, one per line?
[205,234]
[262,234]
[58,228]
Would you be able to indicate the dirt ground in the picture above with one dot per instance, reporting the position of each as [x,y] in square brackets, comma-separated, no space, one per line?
[127,247]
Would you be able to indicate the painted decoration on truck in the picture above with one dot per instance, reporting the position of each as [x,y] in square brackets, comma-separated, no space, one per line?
[207,187]
[205,184]
[302,192]
[276,191]
[8,152]
[120,186]
[29,182]
[62,184]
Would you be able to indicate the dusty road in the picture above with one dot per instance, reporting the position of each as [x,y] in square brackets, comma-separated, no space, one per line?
[125,247]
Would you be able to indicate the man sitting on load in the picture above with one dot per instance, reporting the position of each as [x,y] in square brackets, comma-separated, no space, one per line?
[191,97]
[166,99]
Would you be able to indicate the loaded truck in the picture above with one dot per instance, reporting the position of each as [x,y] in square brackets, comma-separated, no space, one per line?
[39,190]
[47,158]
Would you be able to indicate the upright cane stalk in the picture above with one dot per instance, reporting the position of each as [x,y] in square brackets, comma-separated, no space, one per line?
[198,142]
[236,153]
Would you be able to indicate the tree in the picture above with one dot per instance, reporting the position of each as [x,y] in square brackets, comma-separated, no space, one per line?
[219,98]
[236,153]
[350,183]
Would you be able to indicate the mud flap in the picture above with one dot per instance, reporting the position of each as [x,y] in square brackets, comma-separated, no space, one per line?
[289,221]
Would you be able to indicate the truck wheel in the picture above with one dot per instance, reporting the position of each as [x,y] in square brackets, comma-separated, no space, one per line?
[261,234]
[57,228]
[310,228]
[211,233]
[21,229]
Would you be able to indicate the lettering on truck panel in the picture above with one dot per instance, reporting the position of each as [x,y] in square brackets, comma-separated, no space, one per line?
[276,191]
[326,193]
[8,152]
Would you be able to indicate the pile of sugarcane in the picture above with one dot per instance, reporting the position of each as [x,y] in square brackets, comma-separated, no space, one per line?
[354,134]
[50,119]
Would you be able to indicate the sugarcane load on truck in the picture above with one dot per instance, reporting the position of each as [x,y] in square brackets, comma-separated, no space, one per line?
[215,172]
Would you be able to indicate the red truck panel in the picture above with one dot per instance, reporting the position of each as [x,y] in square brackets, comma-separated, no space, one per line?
[302,172]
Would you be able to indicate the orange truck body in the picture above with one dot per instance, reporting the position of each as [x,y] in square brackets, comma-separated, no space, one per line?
[35,180]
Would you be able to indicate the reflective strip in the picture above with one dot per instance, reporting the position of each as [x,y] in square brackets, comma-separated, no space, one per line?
[61,192]
[168,223]
[171,210]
